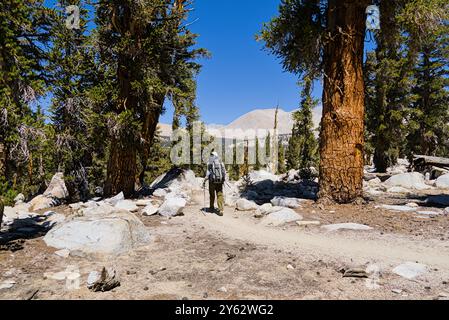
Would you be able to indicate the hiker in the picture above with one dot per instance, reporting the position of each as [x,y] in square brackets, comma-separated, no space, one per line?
[216,174]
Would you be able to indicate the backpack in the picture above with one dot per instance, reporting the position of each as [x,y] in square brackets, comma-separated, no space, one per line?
[217,171]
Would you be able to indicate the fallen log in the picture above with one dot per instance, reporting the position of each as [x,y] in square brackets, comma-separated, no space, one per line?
[435,166]
[373,175]
[430,161]
[435,172]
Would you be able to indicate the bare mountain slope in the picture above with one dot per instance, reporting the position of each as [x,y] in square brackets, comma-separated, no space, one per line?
[254,120]
[263,119]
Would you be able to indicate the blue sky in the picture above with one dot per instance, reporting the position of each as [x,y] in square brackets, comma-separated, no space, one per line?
[239,76]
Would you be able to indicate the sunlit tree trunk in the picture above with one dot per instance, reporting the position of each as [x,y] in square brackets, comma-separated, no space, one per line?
[341,141]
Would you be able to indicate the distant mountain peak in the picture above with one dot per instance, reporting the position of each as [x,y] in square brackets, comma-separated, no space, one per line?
[256,119]
[263,119]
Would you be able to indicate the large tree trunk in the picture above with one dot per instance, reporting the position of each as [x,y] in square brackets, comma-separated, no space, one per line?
[121,169]
[122,164]
[342,131]
[151,120]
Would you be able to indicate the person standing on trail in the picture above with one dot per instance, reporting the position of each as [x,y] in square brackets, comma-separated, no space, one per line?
[216,175]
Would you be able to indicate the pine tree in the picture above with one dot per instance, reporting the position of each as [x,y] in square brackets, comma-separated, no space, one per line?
[159,159]
[244,169]
[293,151]
[234,172]
[387,105]
[281,159]
[24,37]
[32,154]
[429,121]
[303,146]
[369,73]
[257,165]
[316,38]
[129,33]
[390,80]
[268,153]
[185,109]
[272,146]
[326,38]
[73,76]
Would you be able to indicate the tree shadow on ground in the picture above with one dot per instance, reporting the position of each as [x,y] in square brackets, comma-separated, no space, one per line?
[439,201]
[431,201]
[265,190]
[15,233]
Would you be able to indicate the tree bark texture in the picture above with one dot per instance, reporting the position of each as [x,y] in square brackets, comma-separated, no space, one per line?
[342,131]
[121,169]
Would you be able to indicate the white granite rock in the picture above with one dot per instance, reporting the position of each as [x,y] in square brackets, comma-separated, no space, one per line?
[103,209]
[7,284]
[410,270]
[398,208]
[150,210]
[172,207]
[143,202]
[398,190]
[268,208]
[42,202]
[429,213]
[114,234]
[280,217]
[246,205]
[409,180]
[346,226]
[291,203]
[115,199]
[57,188]
[160,193]
[20,198]
[64,253]
[442,182]
[127,205]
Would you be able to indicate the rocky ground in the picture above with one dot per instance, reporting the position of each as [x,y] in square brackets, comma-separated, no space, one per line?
[394,246]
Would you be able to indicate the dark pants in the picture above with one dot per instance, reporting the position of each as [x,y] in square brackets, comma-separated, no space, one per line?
[216,189]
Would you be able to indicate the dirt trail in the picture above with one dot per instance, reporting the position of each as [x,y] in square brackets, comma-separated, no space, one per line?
[358,246]
[199,256]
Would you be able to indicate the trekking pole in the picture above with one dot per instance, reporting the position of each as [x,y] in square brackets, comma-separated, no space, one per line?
[204,198]
[224,196]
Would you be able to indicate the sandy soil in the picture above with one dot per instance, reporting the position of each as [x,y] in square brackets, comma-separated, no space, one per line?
[198,256]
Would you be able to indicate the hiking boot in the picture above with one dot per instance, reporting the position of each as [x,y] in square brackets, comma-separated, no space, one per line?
[220,213]
[211,210]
